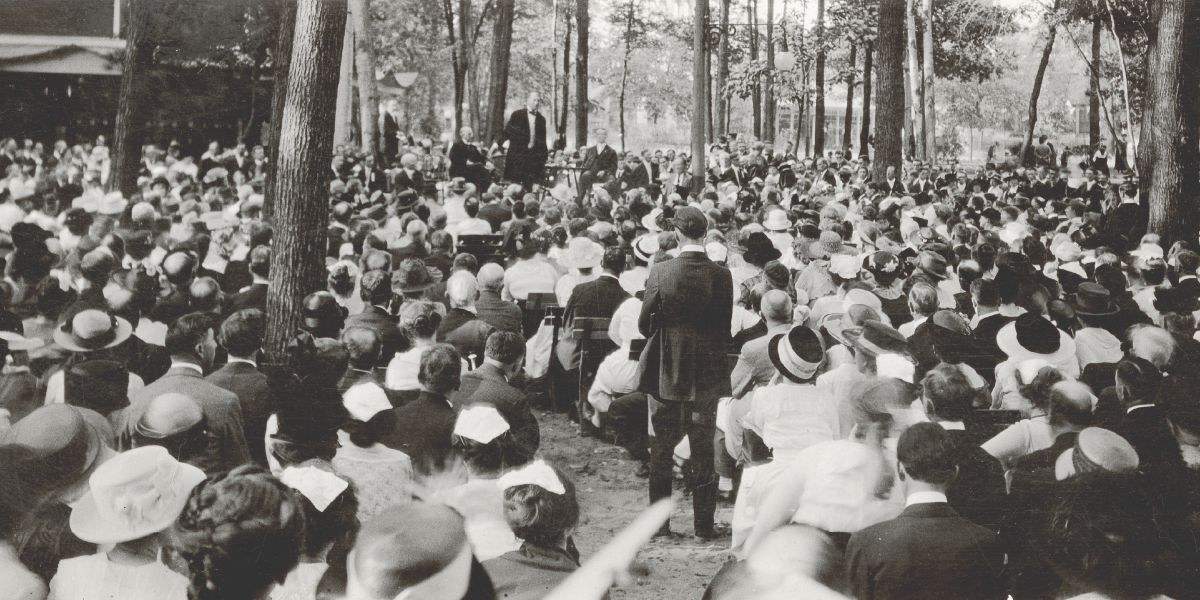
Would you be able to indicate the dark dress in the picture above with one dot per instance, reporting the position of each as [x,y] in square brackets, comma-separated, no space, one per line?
[531,572]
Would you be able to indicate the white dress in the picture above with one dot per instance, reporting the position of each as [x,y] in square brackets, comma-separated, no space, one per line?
[95,577]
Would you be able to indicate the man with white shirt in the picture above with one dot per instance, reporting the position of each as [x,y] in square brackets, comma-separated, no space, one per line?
[599,163]
[526,136]
[928,551]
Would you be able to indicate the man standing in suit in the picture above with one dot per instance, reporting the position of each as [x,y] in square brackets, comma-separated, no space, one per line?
[241,336]
[735,173]
[489,384]
[391,133]
[255,294]
[192,346]
[376,292]
[526,135]
[686,315]
[424,425]
[599,163]
[928,551]
[892,185]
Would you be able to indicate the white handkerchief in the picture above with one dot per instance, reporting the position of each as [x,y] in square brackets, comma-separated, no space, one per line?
[319,486]
[535,473]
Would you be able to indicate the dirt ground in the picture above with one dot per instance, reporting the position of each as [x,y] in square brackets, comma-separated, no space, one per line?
[610,495]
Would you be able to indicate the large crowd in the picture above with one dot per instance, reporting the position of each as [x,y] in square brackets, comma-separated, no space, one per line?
[945,382]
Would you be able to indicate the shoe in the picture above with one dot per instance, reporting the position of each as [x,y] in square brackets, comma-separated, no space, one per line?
[712,533]
[665,532]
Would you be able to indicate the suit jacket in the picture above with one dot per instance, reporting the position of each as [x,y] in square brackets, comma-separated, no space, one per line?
[926,552]
[401,181]
[687,309]
[254,296]
[466,332]
[633,178]
[254,396]
[227,446]
[604,160]
[897,186]
[516,131]
[1148,432]
[598,298]
[423,430]
[460,153]
[754,366]
[487,385]
[377,319]
[978,493]
[739,176]
[504,316]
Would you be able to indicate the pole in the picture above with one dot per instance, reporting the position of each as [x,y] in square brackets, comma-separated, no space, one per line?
[699,94]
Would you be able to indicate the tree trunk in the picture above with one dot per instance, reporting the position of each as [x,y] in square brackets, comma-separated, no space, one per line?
[1130,143]
[565,107]
[819,85]
[864,135]
[699,97]
[625,71]
[723,71]
[756,88]
[890,117]
[457,64]
[466,24]
[501,51]
[306,131]
[708,89]
[1094,97]
[848,121]
[927,82]
[343,112]
[1146,160]
[916,105]
[281,62]
[769,99]
[127,143]
[1027,145]
[364,60]
[582,104]
[1167,216]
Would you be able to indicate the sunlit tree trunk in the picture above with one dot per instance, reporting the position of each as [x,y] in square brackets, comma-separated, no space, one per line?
[501,51]
[1167,216]
[927,82]
[723,71]
[769,97]
[819,85]
[756,88]
[582,19]
[281,62]
[127,143]
[1094,97]
[916,105]
[364,60]
[848,120]
[890,116]
[864,135]
[1027,145]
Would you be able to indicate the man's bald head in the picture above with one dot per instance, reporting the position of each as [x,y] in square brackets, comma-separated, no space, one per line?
[1154,344]
[205,295]
[491,277]
[776,307]
[1071,404]
[179,267]
[462,289]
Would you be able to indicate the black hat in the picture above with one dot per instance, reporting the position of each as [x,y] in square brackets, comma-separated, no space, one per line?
[759,249]
[1093,300]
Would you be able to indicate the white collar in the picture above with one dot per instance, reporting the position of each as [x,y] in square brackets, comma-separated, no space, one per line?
[186,365]
[925,498]
[249,361]
[1137,406]
[692,248]
[952,425]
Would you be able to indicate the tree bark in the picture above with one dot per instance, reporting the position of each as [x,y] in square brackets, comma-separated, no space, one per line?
[1167,216]
[915,80]
[890,117]
[700,98]
[565,106]
[769,97]
[364,60]
[1145,157]
[864,135]
[281,62]
[819,85]
[306,131]
[501,53]
[756,89]
[848,121]
[1130,142]
[582,104]
[1094,97]
[1027,145]
[129,134]
[723,71]
[343,111]
[457,64]
[927,82]
[629,8]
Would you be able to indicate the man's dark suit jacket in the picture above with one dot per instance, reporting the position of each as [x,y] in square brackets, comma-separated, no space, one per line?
[598,298]
[978,493]
[686,312]
[897,186]
[1147,430]
[629,179]
[523,163]
[423,430]
[594,162]
[737,175]
[486,385]
[254,395]
[254,296]
[504,316]
[466,332]
[171,307]
[926,552]
[377,319]
[403,181]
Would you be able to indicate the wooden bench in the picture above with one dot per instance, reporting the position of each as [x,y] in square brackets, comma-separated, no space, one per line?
[485,247]
[591,333]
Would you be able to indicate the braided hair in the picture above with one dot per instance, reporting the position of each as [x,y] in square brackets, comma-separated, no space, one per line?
[240,532]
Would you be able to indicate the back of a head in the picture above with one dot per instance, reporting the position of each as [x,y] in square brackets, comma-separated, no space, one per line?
[242,332]
[1138,380]
[187,332]
[205,294]
[404,546]
[1070,403]
[464,261]
[613,260]
[923,299]
[363,345]
[776,306]
[178,267]
[1154,344]
[491,277]
[505,347]
[928,454]
[948,393]
[441,368]
[462,289]
[540,516]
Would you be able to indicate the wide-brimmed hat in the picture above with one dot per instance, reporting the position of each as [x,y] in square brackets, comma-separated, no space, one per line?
[581,253]
[1032,336]
[650,220]
[759,249]
[1068,252]
[66,447]
[827,245]
[797,354]
[845,266]
[458,185]
[168,415]
[1096,450]
[134,494]
[777,220]
[412,275]
[876,338]
[645,247]
[932,264]
[92,329]
[837,324]
[1093,300]
[112,203]
[101,385]
[405,199]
